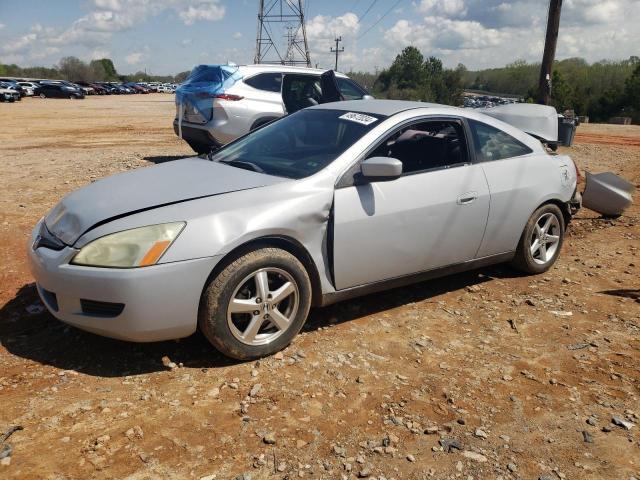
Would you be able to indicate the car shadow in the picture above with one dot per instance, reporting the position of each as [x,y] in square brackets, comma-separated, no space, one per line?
[40,337]
[397,297]
[633,293]
[28,331]
[166,158]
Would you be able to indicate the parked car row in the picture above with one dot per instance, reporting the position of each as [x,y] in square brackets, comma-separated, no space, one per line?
[12,89]
[486,101]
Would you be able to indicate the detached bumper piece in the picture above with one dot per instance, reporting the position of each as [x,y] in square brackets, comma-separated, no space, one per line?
[607,194]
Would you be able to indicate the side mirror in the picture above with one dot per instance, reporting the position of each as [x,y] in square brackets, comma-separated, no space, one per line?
[377,169]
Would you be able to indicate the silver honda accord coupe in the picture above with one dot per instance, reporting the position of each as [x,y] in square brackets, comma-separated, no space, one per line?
[331,202]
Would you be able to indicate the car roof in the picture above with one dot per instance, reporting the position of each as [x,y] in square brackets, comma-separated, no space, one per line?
[268,67]
[380,107]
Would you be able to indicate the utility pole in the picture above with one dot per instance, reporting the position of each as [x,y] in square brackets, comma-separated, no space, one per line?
[337,50]
[550,41]
[272,14]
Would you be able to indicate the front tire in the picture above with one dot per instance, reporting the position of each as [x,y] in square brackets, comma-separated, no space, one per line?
[541,240]
[256,305]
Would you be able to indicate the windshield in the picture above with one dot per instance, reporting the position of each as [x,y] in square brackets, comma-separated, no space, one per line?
[300,144]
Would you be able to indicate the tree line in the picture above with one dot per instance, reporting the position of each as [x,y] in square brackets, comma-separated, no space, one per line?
[600,90]
[76,70]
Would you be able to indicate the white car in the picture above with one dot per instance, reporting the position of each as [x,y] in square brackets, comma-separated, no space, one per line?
[28,88]
[219,103]
[331,202]
[166,89]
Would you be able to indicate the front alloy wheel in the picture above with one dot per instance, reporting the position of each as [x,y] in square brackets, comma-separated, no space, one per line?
[256,305]
[263,306]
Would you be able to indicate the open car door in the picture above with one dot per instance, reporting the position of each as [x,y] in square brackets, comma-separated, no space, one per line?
[329,87]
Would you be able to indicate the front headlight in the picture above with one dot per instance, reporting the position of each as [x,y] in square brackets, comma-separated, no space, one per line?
[139,247]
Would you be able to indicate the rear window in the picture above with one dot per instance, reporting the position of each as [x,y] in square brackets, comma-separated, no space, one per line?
[205,73]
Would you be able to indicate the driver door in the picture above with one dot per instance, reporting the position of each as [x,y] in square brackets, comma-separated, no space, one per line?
[433,216]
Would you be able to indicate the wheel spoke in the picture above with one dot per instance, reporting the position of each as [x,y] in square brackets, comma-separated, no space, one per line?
[543,251]
[262,285]
[279,319]
[538,231]
[281,293]
[553,239]
[547,224]
[535,246]
[240,305]
[252,329]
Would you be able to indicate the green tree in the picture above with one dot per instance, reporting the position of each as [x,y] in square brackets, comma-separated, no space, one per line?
[108,68]
[561,92]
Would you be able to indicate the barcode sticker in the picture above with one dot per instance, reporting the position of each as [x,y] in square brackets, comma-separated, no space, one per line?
[358,118]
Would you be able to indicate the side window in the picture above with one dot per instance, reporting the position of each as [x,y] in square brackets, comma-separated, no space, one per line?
[269,82]
[493,144]
[349,89]
[426,145]
[300,91]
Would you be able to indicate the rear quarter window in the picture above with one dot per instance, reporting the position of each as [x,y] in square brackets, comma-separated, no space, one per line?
[493,144]
[269,82]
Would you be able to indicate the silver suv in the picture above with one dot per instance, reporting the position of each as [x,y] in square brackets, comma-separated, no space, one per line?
[219,103]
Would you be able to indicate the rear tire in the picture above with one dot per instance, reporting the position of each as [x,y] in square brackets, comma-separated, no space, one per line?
[541,240]
[235,317]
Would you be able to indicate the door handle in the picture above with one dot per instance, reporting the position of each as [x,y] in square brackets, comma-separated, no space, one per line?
[467,198]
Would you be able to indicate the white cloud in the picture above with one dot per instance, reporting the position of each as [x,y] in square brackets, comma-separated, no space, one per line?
[321,32]
[326,26]
[186,42]
[20,43]
[133,58]
[237,35]
[449,8]
[204,11]
[2,25]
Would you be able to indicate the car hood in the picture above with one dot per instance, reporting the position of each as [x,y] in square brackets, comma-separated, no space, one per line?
[146,188]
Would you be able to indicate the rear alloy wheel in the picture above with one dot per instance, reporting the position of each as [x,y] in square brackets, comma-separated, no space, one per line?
[256,305]
[42,95]
[541,240]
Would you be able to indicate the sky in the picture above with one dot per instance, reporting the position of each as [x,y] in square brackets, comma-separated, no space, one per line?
[169,36]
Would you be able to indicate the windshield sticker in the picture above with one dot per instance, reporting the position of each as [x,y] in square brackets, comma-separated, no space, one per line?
[358,118]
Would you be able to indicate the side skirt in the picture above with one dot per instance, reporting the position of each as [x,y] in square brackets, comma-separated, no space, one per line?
[340,295]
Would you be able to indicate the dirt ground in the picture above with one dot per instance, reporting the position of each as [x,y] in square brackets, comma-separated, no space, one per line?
[486,374]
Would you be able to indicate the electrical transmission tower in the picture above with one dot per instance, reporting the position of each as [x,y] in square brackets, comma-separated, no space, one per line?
[272,17]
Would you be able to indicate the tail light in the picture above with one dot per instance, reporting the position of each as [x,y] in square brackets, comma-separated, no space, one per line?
[227,96]
[579,178]
[220,96]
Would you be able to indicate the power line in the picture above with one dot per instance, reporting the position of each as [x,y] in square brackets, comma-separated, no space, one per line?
[368,9]
[379,20]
